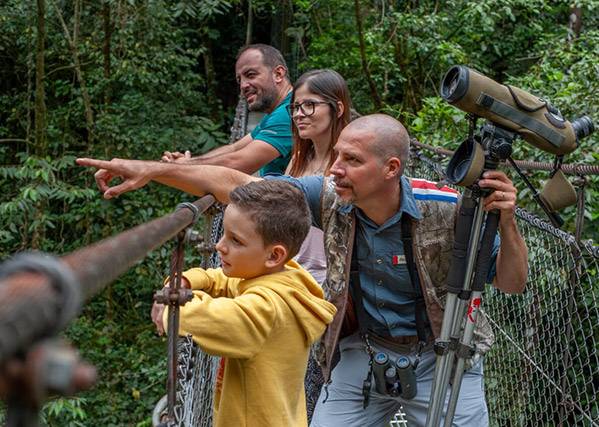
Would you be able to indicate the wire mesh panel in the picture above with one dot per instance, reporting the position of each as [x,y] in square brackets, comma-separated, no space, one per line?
[198,370]
[544,367]
[197,376]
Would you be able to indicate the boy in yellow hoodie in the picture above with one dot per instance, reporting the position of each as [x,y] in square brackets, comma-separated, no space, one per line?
[261,311]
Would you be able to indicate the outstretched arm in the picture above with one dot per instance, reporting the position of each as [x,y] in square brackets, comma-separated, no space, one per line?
[512,258]
[198,180]
[230,327]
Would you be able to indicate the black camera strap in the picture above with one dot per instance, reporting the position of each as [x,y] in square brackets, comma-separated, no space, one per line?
[356,293]
[420,312]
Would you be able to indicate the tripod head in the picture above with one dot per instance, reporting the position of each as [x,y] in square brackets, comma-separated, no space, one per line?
[479,153]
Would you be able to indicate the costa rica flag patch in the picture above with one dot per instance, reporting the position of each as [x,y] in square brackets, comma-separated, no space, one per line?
[398,259]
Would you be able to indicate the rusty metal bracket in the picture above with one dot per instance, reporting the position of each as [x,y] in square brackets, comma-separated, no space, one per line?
[58,312]
[174,296]
[50,367]
[186,205]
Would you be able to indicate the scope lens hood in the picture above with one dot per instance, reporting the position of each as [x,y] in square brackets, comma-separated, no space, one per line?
[467,163]
[455,83]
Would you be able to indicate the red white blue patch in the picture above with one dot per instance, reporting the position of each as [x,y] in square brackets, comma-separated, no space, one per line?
[428,190]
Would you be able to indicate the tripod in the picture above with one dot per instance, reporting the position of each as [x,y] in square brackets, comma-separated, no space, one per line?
[471,257]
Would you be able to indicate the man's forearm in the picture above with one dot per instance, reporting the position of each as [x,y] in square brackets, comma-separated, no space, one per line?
[237,161]
[512,259]
[200,180]
[225,149]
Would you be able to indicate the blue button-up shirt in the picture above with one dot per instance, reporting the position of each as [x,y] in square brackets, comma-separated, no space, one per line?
[387,290]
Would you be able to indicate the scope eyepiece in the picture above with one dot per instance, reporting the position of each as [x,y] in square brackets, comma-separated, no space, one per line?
[583,127]
[403,362]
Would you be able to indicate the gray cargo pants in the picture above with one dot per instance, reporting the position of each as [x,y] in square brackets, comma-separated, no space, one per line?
[343,407]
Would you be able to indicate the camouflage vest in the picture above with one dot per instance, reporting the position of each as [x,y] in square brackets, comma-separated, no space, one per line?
[432,240]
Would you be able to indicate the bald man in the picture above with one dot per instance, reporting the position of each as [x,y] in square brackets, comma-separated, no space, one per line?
[388,299]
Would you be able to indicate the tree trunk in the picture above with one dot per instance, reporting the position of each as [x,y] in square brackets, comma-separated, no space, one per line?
[250,24]
[278,29]
[89,114]
[376,99]
[40,103]
[209,73]
[575,23]
[106,48]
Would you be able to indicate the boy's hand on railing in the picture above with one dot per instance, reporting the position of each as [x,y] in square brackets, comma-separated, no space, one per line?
[157,312]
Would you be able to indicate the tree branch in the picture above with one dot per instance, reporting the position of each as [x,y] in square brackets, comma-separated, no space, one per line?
[89,115]
[378,103]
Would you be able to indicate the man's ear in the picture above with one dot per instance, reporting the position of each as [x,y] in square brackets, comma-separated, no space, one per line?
[277,256]
[279,73]
[393,167]
[340,109]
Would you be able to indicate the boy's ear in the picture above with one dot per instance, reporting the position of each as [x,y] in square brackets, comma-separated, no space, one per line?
[277,256]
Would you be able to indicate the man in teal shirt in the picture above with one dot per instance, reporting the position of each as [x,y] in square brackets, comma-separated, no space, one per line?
[264,82]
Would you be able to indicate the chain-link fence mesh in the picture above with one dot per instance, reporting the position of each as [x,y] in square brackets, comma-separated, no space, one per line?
[544,368]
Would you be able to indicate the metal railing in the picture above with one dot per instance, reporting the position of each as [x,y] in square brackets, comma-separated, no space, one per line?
[40,294]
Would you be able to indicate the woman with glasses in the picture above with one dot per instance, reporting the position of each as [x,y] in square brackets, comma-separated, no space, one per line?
[319,108]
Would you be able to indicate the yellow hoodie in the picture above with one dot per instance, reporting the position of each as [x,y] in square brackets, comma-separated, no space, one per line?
[263,327]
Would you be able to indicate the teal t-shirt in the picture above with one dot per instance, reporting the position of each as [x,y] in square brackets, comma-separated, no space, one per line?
[275,129]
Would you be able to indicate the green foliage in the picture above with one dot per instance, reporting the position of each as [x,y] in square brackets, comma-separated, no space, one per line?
[152,99]
[65,412]
[163,80]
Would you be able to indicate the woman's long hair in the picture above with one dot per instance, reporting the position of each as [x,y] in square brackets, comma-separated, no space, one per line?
[332,88]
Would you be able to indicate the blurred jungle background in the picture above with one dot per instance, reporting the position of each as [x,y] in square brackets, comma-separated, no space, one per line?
[133,78]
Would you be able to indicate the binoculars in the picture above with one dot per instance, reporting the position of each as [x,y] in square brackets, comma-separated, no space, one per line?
[394,379]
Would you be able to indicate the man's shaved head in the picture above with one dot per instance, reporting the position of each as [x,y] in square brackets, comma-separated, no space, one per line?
[390,137]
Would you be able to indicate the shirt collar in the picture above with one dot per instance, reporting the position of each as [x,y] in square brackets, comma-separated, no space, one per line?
[408,202]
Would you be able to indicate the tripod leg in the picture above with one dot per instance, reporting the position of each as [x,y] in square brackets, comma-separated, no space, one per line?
[464,349]
[465,246]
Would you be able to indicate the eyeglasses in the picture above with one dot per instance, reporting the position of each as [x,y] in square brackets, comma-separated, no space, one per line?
[307,107]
